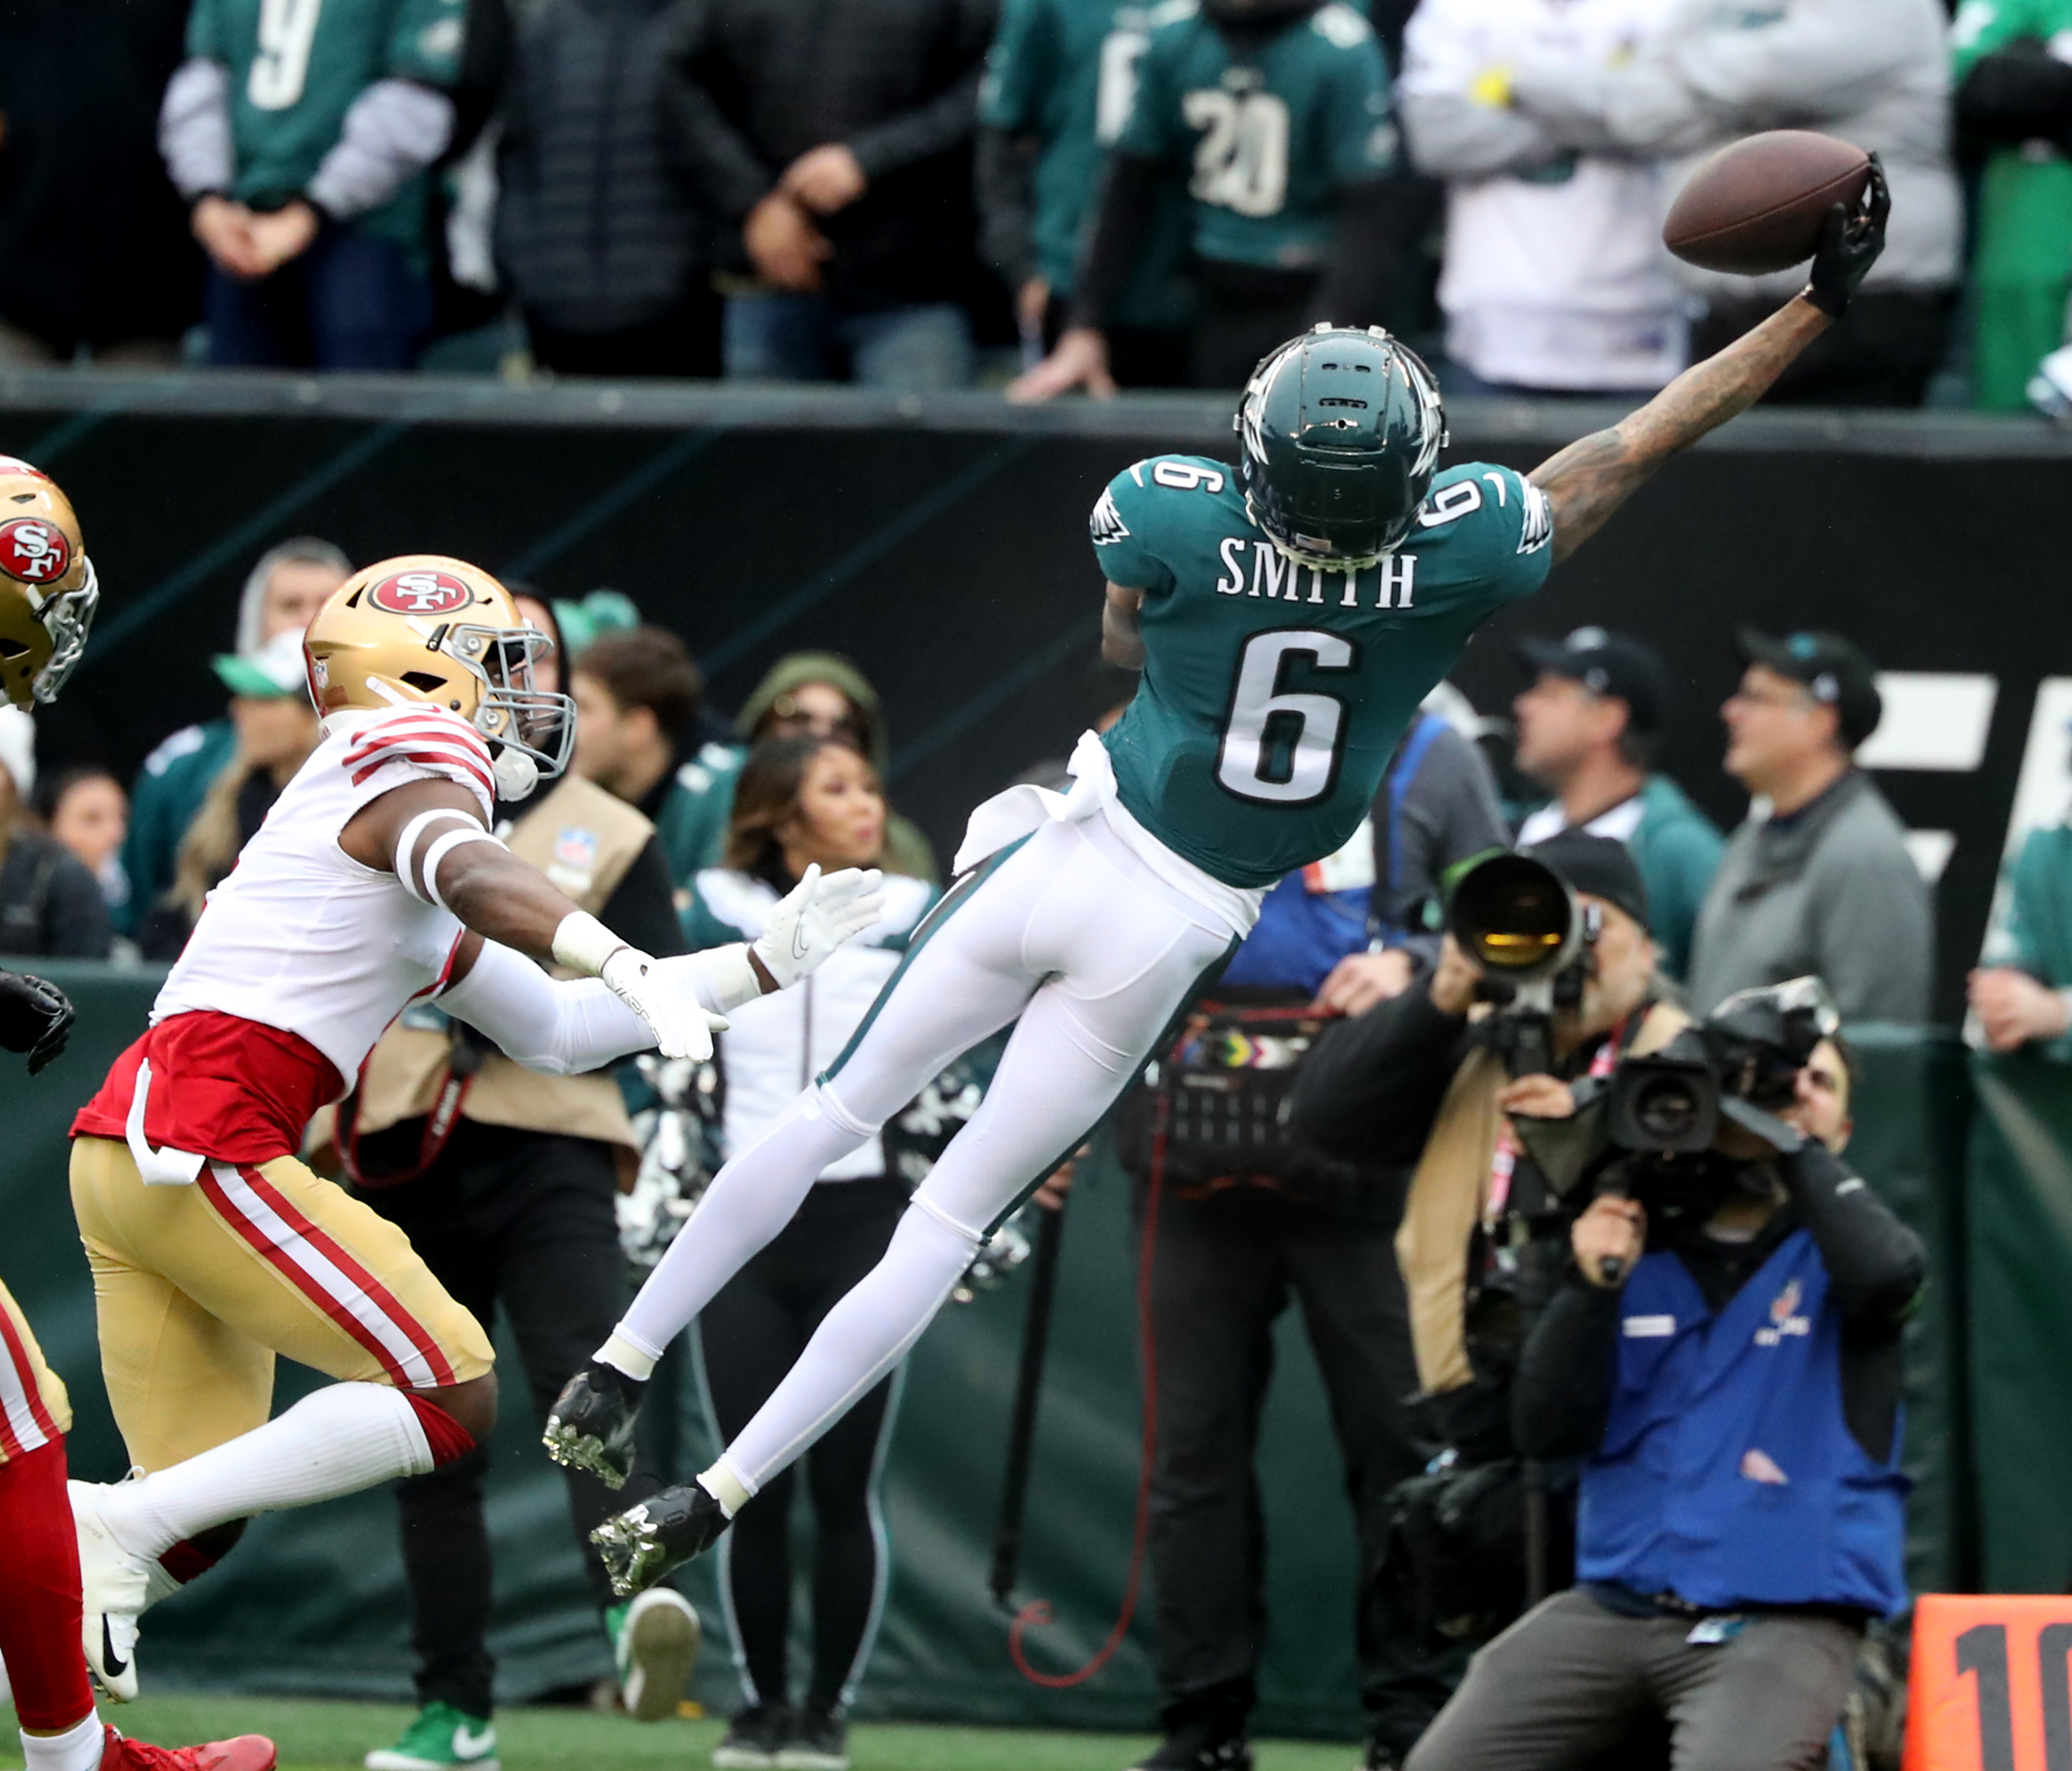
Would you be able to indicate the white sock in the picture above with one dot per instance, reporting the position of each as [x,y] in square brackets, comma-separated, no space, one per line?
[752,1198]
[858,1341]
[334,1441]
[76,1749]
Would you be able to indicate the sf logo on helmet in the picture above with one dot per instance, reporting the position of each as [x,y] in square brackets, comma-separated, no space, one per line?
[34,551]
[421,594]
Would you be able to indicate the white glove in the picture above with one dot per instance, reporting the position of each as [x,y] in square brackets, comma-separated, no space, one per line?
[664,994]
[821,912]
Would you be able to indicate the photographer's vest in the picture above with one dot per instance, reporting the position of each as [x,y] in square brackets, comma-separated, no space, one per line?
[1728,1474]
[1449,1196]
[584,841]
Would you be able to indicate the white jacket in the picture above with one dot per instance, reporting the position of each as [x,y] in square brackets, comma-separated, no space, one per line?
[1556,275]
[776,1045]
[1875,72]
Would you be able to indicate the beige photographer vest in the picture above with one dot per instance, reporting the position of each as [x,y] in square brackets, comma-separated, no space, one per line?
[1447,1196]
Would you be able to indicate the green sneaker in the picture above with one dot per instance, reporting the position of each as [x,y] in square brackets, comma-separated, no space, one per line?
[655,1640]
[439,1737]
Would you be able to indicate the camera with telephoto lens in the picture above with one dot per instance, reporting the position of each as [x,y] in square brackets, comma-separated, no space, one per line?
[1535,941]
[1741,1063]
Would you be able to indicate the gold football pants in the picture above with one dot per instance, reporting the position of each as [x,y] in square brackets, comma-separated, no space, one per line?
[197,1288]
[34,1411]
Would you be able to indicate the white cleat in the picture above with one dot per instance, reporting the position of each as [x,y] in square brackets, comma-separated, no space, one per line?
[115,1585]
[656,1649]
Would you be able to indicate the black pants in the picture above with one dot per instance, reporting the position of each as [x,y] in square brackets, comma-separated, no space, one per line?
[523,1219]
[748,1336]
[1883,353]
[684,342]
[1221,1274]
[1245,313]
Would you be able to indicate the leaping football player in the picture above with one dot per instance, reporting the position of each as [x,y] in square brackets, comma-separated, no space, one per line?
[375,881]
[1288,614]
[47,598]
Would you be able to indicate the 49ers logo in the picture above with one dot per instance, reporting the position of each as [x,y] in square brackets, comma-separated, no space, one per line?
[421,594]
[34,550]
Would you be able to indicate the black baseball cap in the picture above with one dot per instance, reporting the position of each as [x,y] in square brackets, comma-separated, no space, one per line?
[1610,664]
[1834,671]
[1599,865]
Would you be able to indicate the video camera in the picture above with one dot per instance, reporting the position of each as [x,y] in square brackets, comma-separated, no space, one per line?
[1741,1063]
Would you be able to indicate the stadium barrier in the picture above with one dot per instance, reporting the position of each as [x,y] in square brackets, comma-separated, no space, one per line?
[313,1602]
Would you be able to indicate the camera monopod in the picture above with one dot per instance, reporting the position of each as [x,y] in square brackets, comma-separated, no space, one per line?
[1028,1395]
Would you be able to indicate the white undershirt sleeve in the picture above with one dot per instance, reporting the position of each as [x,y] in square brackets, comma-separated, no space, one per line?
[541,1022]
[563,1026]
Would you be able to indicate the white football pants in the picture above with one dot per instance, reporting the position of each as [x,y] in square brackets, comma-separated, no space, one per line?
[1069,929]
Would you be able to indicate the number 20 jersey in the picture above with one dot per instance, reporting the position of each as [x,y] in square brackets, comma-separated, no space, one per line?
[1274,694]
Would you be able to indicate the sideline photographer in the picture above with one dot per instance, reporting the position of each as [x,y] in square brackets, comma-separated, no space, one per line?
[1723,1353]
[1425,1083]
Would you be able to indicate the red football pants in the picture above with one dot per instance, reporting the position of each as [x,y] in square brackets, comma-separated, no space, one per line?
[39,1601]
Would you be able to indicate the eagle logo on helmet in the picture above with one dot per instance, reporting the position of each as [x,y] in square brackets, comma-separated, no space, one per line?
[421,594]
[34,550]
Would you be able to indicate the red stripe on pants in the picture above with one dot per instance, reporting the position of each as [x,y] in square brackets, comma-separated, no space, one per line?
[16,1355]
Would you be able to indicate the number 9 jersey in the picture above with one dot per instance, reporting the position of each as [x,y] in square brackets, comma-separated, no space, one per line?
[1274,693]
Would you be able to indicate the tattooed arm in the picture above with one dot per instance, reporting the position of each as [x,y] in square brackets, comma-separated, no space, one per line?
[1590,479]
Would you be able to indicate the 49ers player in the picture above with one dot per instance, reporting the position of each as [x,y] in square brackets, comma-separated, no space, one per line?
[47,597]
[374,880]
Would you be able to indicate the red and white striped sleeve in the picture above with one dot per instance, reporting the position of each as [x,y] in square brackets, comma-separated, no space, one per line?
[415,743]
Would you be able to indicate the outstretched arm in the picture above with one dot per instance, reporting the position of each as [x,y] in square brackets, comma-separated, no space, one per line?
[1590,479]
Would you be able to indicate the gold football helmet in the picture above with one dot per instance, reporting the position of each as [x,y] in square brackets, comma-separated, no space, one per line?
[48,592]
[426,629]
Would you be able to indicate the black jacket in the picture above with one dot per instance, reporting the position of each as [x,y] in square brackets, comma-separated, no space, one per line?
[756,83]
[50,906]
[596,229]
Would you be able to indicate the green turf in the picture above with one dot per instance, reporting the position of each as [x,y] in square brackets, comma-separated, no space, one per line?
[317,1735]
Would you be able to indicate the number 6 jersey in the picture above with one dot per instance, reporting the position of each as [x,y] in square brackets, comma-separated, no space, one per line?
[1273,693]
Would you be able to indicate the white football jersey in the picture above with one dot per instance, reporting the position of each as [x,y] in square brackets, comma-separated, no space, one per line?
[300,936]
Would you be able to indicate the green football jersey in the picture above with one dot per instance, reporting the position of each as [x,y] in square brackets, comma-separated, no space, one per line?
[1273,694]
[1270,135]
[1065,72]
[296,66]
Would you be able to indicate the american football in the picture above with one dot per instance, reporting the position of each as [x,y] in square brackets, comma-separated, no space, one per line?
[1759,205]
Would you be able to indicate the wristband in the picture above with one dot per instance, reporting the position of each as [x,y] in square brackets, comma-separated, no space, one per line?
[731,978]
[584,944]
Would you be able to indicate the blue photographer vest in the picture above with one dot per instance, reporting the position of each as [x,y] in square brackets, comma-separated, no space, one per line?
[1728,1474]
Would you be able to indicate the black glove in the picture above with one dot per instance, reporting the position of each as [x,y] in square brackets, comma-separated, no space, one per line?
[1849,246]
[35,1018]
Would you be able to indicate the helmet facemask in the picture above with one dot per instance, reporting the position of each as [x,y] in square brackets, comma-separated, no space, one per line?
[68,615]
[532,731]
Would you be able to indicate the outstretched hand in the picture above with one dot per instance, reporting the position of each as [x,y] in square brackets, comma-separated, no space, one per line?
[1849,245]
[35,1016]
[821,911]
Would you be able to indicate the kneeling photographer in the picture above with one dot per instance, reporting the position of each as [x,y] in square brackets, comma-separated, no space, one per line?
[1724,1355]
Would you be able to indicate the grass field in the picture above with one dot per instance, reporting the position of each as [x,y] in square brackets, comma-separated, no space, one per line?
[316,1736]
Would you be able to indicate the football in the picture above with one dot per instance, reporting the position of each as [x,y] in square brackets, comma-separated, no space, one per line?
[1759,205]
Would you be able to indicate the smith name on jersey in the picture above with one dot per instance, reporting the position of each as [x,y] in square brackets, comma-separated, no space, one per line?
[1274,693]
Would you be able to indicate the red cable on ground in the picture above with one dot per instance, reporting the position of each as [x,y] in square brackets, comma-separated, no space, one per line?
[1038,1613]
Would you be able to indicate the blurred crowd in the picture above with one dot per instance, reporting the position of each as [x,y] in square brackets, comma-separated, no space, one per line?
[918,194]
